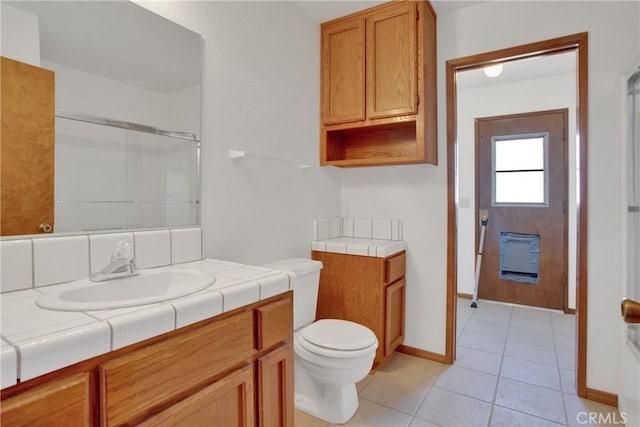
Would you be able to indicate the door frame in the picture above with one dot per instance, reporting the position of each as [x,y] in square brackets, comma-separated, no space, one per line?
[577,43]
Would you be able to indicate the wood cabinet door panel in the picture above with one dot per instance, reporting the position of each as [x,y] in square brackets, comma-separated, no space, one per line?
[134,384]
[228,402]
[394,316]
[352,288]
[391,54]
[26,148]
[395,268]
[275,388]
[275,323]
[343,71]
[65,402]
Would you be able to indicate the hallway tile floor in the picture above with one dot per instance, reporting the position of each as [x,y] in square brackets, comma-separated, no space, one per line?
[514,367]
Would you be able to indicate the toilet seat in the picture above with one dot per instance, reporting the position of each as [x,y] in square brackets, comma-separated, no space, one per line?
[337,338]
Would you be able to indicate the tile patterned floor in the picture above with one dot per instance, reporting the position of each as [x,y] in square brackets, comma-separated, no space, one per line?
[514,367]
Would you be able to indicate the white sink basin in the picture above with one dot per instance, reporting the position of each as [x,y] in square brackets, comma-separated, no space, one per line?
[150,286]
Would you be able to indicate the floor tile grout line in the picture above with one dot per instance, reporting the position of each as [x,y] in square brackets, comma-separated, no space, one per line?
[564,402]
[495,392]
[529,415]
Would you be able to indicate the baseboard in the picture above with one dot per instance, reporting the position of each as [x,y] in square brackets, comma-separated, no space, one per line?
[465,296]
[602,397]
[423,354]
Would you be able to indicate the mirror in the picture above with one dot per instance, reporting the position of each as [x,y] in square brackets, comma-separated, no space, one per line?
[122,75]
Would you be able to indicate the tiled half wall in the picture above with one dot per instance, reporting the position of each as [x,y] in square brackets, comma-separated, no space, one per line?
[359,228]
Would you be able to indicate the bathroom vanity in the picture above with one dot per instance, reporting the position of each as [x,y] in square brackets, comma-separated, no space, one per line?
[224,356]
[232,369]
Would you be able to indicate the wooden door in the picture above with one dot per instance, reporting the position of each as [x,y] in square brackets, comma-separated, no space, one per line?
[526,204]
[342,79]
[26,148]
[65,402]
[392,83]
[228,402]
[394,316]
[275,388]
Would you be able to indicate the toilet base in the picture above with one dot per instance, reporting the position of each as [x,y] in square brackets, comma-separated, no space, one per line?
[335,403]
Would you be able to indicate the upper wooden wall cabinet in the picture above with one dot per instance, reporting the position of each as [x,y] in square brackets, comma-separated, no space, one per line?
[378,85]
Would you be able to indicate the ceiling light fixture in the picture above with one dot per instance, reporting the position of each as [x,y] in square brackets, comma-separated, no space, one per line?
[493,70]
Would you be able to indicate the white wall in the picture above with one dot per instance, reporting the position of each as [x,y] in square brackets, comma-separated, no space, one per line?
[261,95]
[538,94]
[20,35]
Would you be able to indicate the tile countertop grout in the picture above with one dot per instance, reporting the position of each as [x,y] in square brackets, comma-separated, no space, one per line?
[35,341]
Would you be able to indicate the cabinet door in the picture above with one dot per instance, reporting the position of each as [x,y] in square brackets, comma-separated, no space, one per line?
[65,402]
[342,79]
[275,387]
[392,83]
[394,316]
[228,402]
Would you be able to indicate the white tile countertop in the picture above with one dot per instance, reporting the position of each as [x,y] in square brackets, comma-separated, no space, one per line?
[354,246]
[36,341]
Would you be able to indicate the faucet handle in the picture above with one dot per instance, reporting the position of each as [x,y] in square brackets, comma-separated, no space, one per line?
[122,250]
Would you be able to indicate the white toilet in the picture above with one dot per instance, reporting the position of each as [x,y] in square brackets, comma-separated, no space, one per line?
[331,355]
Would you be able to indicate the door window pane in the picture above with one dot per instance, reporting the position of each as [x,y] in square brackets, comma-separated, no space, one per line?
[520,154]
[520,187]
[519,172]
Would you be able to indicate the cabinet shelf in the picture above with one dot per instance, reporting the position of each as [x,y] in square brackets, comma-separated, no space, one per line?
[392,143]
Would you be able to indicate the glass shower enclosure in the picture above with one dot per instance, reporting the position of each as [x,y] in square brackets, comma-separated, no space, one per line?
[116,175]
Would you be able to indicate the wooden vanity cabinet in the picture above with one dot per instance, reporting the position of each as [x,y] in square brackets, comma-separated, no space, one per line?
[365,290]
[378,86]
[235,369]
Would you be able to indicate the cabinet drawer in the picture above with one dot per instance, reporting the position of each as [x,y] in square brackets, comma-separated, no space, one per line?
[275,323]
[65,402]
[394,268]
[133,384]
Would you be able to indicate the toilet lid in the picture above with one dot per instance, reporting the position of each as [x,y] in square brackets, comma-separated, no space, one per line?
[337,334]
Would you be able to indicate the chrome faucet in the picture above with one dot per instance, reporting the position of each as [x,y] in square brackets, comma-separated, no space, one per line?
[123,264]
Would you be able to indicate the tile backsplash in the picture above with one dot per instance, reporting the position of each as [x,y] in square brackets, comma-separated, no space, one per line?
[60,259]
[42,261]
[16,265]
[359,228]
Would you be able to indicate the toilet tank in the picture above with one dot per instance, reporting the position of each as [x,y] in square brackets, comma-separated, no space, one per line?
[305,283]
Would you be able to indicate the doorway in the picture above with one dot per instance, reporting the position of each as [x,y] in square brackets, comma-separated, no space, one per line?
[575,43]
[521,187]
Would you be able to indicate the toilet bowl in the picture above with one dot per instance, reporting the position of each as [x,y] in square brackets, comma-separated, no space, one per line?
[330,355]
